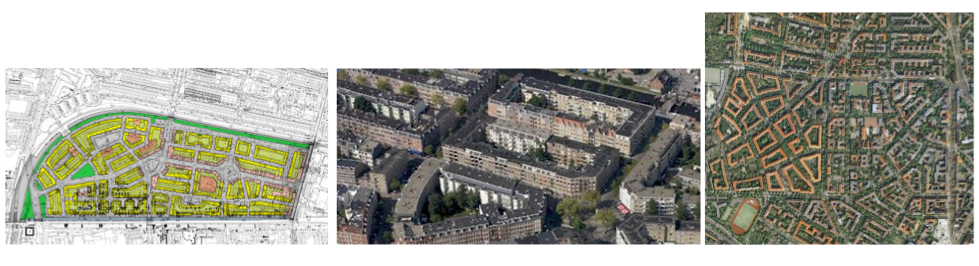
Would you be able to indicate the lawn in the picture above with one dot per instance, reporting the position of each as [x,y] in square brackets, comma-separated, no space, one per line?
[859,89]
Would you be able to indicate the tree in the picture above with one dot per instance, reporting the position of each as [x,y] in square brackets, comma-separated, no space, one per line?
[540,154]
[383,85]
[689,154]
[395,185]
[652,208]
[502,79]
[409,90]
[363,104]
[569,209]
[342,75]
[435,73]
[639,71]
[435,207]
[681,213]
[570,82]
[360,80]
[538,101]
[429,150]
[601,88]
[437,100]
[460,105]
[387,236]
[412,71]
[605,216]
[592,198]
[632,96]
[618,93]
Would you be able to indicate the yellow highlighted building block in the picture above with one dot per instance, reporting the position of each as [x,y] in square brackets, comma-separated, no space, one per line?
[243,148]
[235,210]
[121,163]
[84,136]
[136,123]
[45,178]
[223,144]
[271,155]
[54,202]
[267,209]
[206,207]
[172,186]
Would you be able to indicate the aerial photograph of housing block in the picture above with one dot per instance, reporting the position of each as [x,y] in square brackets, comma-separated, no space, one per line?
[518,156]
[839,128]
[166,156]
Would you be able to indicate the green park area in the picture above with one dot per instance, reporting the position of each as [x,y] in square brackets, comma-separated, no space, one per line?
[86,171]
[28,212]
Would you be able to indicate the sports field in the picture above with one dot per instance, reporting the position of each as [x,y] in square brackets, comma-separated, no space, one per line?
[859,89]
[745,216]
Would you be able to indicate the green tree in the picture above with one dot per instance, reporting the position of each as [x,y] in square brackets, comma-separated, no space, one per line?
[538,101]
[502,79]
[652,208]
[632,96]
[435,73]
[395,185]
[639,71]
[412,71]
[460,105]
[592,198]
[618,93]
[429,150]
[409,90]
[601,88]
[569,209]
[383,85]
[540,154]
[360,80]
[437,100]
[363,104]
[342,75]
[605,216]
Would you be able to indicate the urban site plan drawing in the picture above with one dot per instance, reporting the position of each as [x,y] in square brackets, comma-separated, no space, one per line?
[839,128]
[166,156]
[518,156]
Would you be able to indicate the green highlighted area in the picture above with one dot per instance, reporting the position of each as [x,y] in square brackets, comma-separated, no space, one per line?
[28,212]
[86,171]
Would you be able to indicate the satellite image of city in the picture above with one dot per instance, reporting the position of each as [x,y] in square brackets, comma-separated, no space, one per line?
[518,156]
[839,128]
[166,156]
